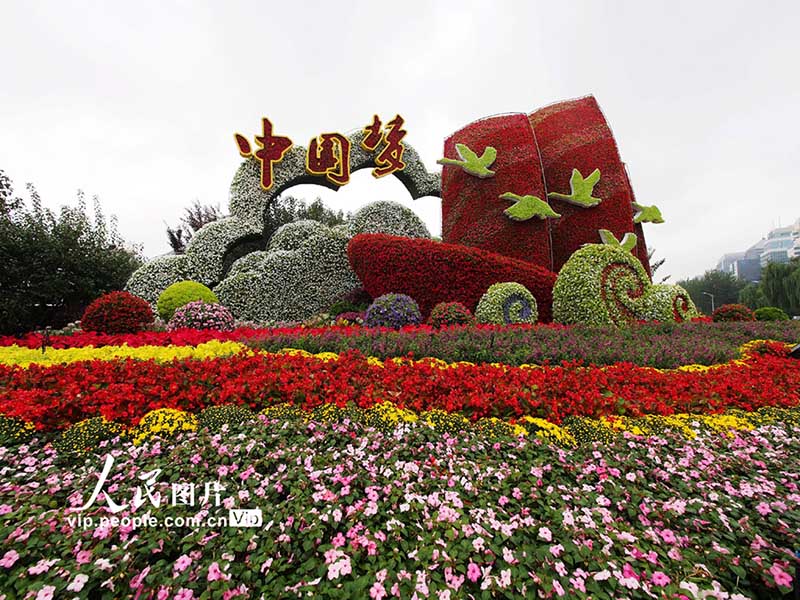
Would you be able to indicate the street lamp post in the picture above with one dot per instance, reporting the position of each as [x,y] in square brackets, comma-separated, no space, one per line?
[712,300]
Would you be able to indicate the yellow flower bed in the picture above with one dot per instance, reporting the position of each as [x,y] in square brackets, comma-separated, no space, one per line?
[24,357]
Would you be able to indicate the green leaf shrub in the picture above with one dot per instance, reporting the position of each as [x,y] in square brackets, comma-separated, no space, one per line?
[181,293]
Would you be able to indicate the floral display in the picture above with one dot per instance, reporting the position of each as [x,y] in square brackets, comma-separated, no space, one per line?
[156,275]
[248,263]
[733,312]
[505,304]
[202,315]
[574,135]
[361,411]
[24,357]
[391,218]
[393,311]
[292,236]
[291,285]
[117,312]
[125,390]
[472,210]
[433,272]
[450,313]
[211,244]
[607,285]
[180,294]
[350,512]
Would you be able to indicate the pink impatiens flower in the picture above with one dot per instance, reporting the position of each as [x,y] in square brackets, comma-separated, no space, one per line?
[545,534]
[473,572]
[782,578]
[77,584]
[9,558]
[377,591]
[182,563]
[660,579]
[184,594]
[215,574]
[46,593]
[763,509]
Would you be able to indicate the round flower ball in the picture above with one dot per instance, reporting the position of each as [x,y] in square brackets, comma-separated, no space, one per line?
[180,294]
[202,315]
[507,303]
[117,312]
[450,313]
[393,310]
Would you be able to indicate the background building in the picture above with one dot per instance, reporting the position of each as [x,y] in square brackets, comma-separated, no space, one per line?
[780,245]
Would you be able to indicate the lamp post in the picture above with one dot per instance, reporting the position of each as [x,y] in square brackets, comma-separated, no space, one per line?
[712,300]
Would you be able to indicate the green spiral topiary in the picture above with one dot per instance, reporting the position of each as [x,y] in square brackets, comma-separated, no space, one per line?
[507,303]
[606,285]
[180,294]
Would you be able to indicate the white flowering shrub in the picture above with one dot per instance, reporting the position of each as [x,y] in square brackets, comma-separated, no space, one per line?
[155,276]
[507,303]
[293,235]
[247,263]
[208,246]
[291,285]
[388,217]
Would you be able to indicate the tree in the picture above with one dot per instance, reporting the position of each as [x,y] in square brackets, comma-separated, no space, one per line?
[52,266]
[725,288]
[752,296]
[194,217]
[780,284]
[288,209]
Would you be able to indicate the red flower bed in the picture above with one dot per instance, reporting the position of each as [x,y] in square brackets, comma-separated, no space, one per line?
[124,391]
[472,211]
[433,272]
[574,135]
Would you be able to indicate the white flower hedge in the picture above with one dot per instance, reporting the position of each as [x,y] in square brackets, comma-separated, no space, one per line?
[208,246]
[291,285]
[155,276]
[292,236]
[606,285]
[388,217]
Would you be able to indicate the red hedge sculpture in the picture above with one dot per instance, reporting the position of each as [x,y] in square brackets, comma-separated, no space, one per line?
[575,135]
[433,272]
[472,211]
[533,158]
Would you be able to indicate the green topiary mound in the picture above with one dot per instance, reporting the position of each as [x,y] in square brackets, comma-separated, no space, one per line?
[606,285]
[771,313]
[180,294]
[507,303]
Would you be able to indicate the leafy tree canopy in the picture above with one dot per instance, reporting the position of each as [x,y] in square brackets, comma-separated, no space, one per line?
[53,265]
[725,288]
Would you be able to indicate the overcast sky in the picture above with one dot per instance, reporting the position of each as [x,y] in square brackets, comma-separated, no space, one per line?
[138,103]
